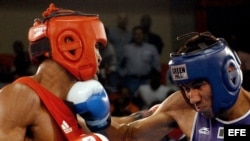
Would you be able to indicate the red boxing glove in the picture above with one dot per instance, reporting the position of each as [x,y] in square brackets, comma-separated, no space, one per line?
[91,137]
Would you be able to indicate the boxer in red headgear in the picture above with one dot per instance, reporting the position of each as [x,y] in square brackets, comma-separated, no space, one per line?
[68,37]
[65,46]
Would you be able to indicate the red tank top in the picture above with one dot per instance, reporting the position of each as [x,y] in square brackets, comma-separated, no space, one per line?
[58,109]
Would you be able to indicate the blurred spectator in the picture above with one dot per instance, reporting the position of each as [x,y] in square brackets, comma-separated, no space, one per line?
[108,71]
[150,37]
[6,63]
[119,35]
[22,61]
[138,60]
[154,92]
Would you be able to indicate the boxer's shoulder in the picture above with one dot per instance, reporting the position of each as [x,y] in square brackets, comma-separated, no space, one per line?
[22,102]
[17,90]
[20,98]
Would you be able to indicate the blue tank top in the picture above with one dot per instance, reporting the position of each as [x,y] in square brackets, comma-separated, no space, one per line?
[213,129]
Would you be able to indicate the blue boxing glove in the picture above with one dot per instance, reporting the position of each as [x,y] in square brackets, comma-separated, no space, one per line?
[91,102]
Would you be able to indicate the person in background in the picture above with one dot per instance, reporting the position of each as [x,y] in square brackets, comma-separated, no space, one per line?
[153,93]
[120,36]
[6,65]
[22,63]
[151,37]
[138,60]
[108,68]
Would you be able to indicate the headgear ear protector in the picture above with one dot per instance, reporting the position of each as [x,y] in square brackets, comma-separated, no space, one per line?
[205,57]
[68,37]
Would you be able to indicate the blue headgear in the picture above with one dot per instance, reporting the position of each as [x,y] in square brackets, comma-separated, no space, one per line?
[210,63]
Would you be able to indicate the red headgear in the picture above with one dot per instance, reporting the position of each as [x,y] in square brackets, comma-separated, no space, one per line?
[68,37]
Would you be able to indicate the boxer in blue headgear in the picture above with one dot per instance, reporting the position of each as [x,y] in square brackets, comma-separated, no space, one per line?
[211,97]
[207,58]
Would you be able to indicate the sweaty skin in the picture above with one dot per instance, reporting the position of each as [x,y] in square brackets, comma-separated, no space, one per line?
[22,114]
[23,117]
[175,110]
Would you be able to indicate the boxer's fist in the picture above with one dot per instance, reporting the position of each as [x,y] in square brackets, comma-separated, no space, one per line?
[91,137]
[91,102]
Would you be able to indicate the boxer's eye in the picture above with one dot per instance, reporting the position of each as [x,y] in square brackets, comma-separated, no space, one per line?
[193,85]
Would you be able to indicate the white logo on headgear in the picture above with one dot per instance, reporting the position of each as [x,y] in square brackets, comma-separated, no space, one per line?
[179,72]
[40,30]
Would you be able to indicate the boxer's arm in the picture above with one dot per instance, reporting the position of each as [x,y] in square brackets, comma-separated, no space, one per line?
[133,117]
[136,116]
[15,113]
[154,127]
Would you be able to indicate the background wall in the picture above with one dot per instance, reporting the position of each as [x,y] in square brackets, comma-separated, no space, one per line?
[170,17]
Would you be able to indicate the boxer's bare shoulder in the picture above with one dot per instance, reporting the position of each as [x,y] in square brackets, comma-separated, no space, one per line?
[23,116]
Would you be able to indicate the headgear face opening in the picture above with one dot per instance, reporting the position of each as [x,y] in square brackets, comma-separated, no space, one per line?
[69,38]
[211,60]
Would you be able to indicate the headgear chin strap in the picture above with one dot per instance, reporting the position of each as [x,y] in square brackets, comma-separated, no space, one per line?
[217,64]
[69,38]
